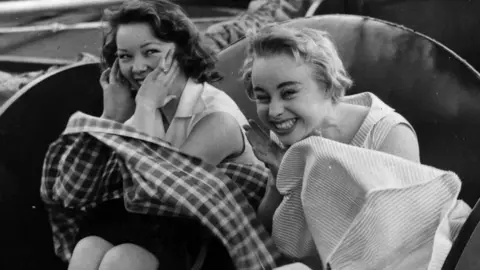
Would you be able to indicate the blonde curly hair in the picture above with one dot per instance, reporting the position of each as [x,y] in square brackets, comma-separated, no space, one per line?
[311,46]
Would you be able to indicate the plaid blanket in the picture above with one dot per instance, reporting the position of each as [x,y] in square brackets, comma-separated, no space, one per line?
[96,160]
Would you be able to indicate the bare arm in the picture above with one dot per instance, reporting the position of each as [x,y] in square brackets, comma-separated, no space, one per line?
[147,119]
[269,204]
[401,141]
[215,137]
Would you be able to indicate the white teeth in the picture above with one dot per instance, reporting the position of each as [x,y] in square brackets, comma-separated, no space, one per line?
[285,124]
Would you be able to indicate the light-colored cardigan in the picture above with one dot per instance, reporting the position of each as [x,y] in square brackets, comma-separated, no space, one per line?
[358,208]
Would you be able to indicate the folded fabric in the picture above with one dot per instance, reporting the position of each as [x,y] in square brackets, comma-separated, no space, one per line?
[96,160]
[365,209]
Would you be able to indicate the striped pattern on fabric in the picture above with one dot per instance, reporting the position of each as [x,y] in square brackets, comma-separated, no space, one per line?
[365,209]
[377,124]
[292,230]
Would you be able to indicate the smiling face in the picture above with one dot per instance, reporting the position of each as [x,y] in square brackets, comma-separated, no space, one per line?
[139,51]
[289,100]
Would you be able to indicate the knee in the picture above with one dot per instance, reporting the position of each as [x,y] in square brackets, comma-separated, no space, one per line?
[93,243]
[128,256]
[88,253]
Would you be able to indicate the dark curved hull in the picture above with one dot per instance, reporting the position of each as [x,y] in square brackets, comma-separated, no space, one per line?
[454,23]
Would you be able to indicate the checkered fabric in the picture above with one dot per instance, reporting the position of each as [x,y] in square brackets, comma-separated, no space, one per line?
[96,160]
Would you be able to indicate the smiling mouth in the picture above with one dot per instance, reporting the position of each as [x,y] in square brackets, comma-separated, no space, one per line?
[284,126]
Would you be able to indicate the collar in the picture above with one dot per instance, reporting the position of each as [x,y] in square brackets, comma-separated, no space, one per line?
[191,101]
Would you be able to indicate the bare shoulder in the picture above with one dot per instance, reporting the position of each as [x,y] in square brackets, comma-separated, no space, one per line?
[402,141]
[220,121]
[215,137]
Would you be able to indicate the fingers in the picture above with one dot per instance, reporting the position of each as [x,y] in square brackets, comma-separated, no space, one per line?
[114,72]
[169,61]
[255,134]
[171,75]
[121,78]
[255,127]
[316,132]
[104,78]
[165,65]
[161,67]
[257,140]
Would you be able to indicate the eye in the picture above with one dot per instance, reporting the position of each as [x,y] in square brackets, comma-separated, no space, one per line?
[151,52]
[123,56]
[262,98]
[288,94]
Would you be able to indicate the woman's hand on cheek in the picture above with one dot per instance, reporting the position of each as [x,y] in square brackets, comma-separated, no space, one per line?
[158,84]
[264,148]
[118,104]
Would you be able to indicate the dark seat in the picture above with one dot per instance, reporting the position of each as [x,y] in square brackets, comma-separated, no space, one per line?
[29,122]
[464,252]
[450,22]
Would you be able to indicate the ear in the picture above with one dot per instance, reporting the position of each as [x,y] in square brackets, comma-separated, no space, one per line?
[329,90]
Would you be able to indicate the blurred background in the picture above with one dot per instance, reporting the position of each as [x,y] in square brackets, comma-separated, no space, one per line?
[37,35]
[66,44]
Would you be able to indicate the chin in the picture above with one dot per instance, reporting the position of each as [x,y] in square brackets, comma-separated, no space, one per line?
[287,140]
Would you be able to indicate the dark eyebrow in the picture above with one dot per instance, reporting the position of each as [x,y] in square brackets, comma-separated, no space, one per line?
[258,89]
[150,43]
[289,83]
[144,45]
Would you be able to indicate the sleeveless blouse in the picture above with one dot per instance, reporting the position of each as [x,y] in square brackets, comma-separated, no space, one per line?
[288,220]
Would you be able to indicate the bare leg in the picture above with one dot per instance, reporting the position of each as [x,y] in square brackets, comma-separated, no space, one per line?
[88,253]
[128,257]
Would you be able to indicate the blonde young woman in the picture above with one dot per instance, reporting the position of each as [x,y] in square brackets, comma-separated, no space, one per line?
[298,83]
[319,153]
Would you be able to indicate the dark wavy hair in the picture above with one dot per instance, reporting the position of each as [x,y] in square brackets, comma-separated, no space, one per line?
[170,24]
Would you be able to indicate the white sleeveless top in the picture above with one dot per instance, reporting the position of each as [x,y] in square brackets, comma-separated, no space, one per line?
[197,101]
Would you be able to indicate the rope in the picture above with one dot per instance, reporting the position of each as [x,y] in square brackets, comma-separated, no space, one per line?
[37,6]
[311,10]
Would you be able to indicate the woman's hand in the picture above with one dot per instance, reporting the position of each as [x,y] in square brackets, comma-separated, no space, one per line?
[264,148]
[158,84]
[118,104]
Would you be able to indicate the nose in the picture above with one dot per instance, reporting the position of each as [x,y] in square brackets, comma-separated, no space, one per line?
[140,65]
[275,109]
